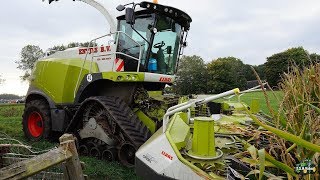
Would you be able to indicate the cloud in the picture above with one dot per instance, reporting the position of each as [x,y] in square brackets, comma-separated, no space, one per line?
[252,30]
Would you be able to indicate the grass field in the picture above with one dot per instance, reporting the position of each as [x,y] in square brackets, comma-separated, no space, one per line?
[273,99]
[10,123]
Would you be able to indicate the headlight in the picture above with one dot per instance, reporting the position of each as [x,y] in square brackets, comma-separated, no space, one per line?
[119,78]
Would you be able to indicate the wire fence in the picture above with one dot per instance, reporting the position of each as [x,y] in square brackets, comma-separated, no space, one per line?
[13,151]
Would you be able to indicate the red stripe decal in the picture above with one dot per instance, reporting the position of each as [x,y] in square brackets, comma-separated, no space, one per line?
[120,66]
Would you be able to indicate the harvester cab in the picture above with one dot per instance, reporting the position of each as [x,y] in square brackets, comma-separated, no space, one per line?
[154,35]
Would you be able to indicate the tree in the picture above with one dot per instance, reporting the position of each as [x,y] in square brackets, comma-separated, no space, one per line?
[315,57]
[55,49]
[248,73]
[279,63]
[225,74]
[29,55]
[70,45]
[260,69]
[9,96]
[191,76]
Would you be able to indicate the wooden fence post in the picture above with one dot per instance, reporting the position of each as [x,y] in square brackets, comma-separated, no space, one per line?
[72,165]
[67,152]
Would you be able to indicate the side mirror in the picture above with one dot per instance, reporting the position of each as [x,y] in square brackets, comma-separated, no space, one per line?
[169,49]
[130,16]
[120,7]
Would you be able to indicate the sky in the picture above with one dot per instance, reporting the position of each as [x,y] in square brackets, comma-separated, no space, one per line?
[250,30]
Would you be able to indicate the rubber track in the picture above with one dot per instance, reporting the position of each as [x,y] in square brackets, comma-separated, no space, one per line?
[132,128]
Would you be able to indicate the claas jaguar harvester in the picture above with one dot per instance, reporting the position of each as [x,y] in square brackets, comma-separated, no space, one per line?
[109,94]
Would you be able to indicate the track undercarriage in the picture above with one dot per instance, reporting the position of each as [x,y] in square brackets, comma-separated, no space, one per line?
[108,129]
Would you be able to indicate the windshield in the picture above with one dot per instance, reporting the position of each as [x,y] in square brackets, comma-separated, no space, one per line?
[126,45]
[165,46]
[164,49]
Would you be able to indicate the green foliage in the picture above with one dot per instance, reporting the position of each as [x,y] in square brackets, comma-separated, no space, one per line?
[191,76]
[222,74]
[225,74]
[10,124]
[98,169]
[297,139]
[70,45]
[10,120]
[9,96]
[11,111]
[247,73]
[301,103]
[260,69]
[56,48]
[315,57]
[31,53]
[168,90]
[279,63]
[248,97]
[28,56]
